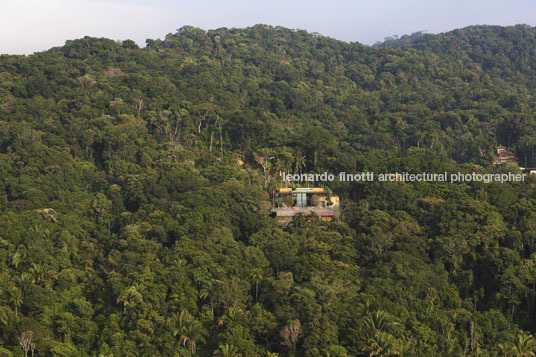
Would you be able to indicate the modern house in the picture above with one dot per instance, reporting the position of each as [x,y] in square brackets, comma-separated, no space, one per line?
[306,201]
[504,156]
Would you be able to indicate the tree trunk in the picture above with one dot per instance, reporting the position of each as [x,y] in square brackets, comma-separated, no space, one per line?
[212,306]
[221,139]
[256,290]
[211,137]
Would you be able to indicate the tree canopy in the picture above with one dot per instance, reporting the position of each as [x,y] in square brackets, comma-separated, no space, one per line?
[136,186]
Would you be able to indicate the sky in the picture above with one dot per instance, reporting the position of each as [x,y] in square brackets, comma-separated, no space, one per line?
[28,26]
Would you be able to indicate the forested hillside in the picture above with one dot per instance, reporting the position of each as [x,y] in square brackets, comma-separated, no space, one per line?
[136,186]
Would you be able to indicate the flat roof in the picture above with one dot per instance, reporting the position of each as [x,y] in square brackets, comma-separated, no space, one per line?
[291,212]
[303,190]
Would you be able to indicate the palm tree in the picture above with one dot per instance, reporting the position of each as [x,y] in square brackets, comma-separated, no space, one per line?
[209,290]
[15,299]
[377,321]
[300,163]
[525,346]
[130,296]
[258,277]
[379,342]
[18,256]
[381,345]
[192,334]
[229,315]
[190,331]
[38,272]
[226,351]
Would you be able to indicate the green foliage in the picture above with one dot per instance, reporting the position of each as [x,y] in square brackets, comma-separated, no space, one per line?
[136,186]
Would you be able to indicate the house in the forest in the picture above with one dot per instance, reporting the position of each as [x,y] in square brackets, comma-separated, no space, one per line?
[504,156]
[306,201]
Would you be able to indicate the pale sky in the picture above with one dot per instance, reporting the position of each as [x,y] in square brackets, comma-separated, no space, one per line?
[28,26]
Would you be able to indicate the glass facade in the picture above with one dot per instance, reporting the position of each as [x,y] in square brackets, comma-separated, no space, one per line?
[300,199]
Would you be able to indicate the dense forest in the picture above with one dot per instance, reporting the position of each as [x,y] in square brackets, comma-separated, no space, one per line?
[136,185]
